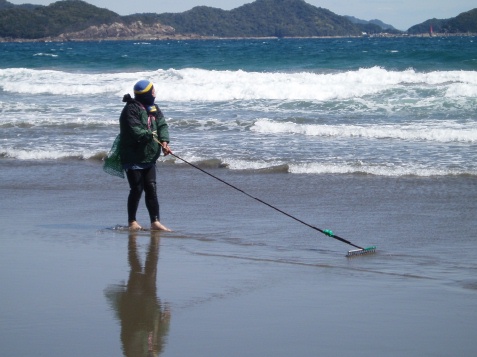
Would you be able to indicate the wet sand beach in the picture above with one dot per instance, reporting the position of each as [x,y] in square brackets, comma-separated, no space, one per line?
[235,278]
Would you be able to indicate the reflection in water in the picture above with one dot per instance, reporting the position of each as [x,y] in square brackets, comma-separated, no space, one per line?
[144,322]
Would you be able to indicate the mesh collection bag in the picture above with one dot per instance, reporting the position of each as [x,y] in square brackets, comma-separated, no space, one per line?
[112,163]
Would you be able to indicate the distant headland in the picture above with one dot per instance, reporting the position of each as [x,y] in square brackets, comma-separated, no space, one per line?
[77,20]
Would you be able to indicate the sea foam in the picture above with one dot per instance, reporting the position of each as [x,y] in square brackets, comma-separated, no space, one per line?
[445,132]
[212,85]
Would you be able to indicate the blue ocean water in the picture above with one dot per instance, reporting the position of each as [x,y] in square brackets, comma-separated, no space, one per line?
[392,107]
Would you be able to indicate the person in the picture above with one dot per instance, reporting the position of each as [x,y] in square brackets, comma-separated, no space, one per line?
[144,133]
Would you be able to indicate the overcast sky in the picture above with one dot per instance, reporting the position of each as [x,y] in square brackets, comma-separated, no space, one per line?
[401,14]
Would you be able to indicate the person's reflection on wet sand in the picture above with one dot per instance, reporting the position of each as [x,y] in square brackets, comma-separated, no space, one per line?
[144,321]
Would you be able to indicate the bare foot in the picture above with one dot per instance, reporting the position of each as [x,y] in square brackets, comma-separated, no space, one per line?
[158,226]
[134,226]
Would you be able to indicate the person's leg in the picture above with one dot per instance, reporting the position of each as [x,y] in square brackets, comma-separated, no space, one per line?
[152,203]
[150,191]
[136,185]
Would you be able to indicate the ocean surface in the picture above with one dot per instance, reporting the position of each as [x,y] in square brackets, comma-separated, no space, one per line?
[390,107]
[373,138]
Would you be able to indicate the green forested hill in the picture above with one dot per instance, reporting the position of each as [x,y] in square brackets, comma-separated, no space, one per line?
[42,21]
[262,18]
[4,4]
[465,22]
[257,19]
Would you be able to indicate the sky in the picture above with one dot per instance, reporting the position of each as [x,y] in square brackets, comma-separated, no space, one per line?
[401,14]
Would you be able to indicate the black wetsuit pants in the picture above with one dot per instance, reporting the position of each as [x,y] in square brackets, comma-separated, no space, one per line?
[139,181]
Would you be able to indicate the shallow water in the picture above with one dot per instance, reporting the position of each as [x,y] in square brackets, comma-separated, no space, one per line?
[235,277]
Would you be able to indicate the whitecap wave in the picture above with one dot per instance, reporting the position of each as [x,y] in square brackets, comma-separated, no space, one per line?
[444,132]
[376,170]
[213,85]
[44,154]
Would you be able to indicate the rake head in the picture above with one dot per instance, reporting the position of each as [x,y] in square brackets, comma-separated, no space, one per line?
[355,252]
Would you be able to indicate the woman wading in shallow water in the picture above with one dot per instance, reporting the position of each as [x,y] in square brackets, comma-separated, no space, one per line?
[144,133]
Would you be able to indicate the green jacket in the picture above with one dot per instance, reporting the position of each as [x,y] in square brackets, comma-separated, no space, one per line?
[137,145]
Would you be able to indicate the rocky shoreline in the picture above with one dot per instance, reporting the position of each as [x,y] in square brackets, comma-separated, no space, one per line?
[114,32]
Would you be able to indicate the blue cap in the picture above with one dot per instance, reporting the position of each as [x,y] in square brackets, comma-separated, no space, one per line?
[143,86]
